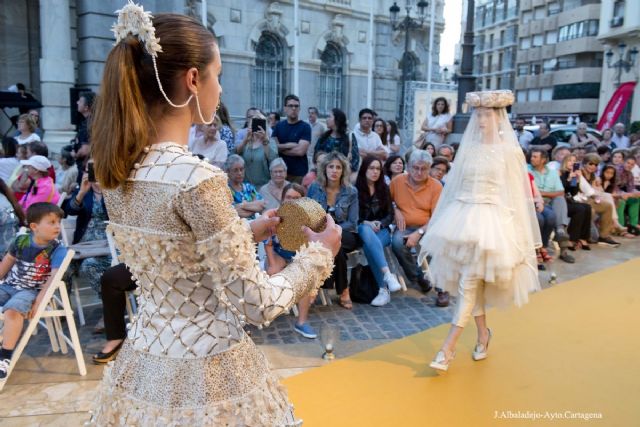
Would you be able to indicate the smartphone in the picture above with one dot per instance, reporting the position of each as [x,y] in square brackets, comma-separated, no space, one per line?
[576,166]
[256,124]
[90,172]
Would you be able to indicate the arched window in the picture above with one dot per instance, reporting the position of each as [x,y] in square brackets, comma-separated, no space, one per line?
[268,74]
[331,70]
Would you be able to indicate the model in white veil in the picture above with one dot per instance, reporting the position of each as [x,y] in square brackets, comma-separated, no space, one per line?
[484,231]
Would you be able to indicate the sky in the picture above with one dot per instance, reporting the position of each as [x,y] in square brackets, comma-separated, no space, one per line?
[451,34]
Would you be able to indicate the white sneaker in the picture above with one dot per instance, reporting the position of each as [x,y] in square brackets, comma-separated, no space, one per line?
[383,298]
[392,282]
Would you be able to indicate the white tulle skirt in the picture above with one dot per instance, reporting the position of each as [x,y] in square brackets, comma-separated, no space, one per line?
[478,241]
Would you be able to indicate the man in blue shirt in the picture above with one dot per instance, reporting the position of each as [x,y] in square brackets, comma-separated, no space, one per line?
[552,191]
[293,137]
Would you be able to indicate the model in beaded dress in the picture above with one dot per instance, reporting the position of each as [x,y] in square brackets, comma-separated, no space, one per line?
[484,231]
[187,360]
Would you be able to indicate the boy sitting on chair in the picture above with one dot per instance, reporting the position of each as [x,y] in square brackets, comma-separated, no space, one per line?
[26,272]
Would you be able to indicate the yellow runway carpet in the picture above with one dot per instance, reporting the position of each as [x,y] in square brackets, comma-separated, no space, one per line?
[572,352]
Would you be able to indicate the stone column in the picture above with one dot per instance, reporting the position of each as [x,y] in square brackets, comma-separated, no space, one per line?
[56,72]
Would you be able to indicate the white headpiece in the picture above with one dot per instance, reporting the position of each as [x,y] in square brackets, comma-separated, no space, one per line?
[490,99]
[132,19]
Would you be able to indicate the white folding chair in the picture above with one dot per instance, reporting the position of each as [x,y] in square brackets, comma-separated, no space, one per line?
[48,315]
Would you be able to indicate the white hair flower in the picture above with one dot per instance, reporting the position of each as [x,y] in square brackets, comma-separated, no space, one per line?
[132,19]
[490,98]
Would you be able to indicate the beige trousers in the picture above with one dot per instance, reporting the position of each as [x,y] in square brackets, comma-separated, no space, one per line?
[470,301]
[604,210]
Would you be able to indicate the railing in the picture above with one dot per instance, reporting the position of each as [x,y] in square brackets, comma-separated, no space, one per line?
[340,2]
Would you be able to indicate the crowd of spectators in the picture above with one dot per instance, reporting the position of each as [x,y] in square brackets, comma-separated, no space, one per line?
[380,191]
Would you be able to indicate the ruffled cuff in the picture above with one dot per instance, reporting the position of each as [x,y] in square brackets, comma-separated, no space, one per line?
[311,266]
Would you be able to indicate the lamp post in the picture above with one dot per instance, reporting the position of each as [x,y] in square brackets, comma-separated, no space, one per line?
[626,61]
[407,24]
[622,63]
[466,80]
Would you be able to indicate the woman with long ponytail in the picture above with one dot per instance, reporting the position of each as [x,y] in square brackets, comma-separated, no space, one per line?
[186,359]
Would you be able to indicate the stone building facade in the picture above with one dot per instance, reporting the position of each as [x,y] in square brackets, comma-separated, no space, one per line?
[54,45]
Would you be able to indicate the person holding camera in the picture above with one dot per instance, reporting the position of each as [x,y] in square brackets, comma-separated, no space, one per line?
[257,151]
[579,228]
[88,204]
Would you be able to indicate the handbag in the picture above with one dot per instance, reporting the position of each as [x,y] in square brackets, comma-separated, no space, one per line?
[363,287]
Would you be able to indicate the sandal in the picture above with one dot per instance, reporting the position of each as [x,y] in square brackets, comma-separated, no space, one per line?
[545,255]
[346,303]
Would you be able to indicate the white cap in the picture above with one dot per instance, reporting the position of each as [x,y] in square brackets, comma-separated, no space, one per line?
[40,163]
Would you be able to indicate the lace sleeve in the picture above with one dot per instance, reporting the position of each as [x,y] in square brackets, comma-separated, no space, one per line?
[228,252]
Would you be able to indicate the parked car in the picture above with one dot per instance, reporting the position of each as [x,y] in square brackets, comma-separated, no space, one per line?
[561,132]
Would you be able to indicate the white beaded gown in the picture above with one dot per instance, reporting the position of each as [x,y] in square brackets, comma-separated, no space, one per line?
[187,360]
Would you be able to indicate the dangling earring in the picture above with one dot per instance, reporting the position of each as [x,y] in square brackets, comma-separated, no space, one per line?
[200,112]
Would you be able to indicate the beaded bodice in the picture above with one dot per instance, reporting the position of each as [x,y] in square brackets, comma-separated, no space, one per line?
[194,258]
[481,178]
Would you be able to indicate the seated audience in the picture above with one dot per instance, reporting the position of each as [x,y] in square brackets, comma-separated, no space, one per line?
[579,228]
[271,192]
[246,199]
[225,128]
[11,217]
[602,204]
[558,154]
[393,166]
[415,195]
[340,199]
[26,272]
[439,169]
[582,138]
[207,144]
[369,143]
[553,193]
[544,140]
[9,160]
[629,201]
[278,258]
[42,187]
[618,155]
[375,217]
[27,127]
[88,204]
[114,283]
[67,177]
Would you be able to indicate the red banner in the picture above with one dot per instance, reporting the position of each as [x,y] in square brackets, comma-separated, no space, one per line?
[615,106]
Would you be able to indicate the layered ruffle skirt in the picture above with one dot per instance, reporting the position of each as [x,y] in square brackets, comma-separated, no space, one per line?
[231,388]
[479,241]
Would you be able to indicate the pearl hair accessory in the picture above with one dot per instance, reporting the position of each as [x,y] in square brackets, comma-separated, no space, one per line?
[133,20]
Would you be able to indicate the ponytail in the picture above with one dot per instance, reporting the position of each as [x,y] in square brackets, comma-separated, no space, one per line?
[121,124]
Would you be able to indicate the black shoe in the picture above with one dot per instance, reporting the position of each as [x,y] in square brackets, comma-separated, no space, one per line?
[541,267]
[567,258]
[424,284]
[103,358]
[608,241]
[443,299]
[633,230]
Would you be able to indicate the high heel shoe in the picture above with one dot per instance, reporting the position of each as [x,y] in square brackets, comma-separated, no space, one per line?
[103,358]
[441,361]
[480,351]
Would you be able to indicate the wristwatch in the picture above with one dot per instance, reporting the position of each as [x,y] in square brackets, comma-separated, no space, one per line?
[421,231]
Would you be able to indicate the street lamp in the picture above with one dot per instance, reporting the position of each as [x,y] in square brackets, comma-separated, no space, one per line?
[406,24]
[622,63]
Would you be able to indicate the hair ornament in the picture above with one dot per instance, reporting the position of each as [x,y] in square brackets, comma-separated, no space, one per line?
[132,19]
